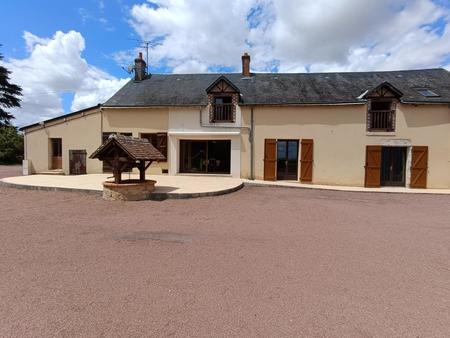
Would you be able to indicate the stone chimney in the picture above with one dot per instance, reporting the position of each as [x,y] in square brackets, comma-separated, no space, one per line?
[246,65]
[139,68]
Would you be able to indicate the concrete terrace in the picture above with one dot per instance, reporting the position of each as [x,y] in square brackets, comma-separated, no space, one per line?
[183,186]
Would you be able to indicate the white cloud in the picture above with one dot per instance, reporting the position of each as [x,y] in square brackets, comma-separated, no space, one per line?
[320,35]
[53,67]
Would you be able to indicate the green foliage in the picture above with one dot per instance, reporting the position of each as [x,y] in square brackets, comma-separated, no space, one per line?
[11,145]
[9,96]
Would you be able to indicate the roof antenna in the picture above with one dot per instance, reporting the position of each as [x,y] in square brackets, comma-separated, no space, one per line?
[143,44]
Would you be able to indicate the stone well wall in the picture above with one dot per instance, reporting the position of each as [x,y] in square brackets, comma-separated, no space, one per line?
[129,190]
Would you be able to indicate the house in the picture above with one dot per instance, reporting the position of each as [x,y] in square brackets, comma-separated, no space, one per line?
[359,129]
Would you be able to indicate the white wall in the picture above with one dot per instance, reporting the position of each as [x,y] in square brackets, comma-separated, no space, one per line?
[185,123]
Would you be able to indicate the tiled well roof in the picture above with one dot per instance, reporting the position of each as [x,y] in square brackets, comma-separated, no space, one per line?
[280,89]
[135,148]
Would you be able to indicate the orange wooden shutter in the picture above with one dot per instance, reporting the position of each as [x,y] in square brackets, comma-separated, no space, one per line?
[306,161]
[419,167]
[373,166]
[270,159]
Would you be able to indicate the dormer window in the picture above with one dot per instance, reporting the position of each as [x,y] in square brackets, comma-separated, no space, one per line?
[223,97]
[381,115]
[381,104]
[222,109]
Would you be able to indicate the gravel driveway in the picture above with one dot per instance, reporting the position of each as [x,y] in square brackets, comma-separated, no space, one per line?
[259,262]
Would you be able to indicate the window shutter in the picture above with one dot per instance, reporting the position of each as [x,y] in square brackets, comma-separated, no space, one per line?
[373,167]
[162,143]
[270,159]
[306,161]
[419,167]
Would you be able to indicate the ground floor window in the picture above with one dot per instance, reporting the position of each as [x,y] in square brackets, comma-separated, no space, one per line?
[205,156]
[393,166]
[287,159]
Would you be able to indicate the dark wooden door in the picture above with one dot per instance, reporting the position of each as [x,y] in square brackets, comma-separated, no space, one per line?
[393,164]
[373,166]
[56,145]
[77,162]
[306,165]
[270,159]
[419,167]
[287,159]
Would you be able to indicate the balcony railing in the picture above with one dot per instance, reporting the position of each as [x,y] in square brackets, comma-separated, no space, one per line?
[223,112]
[382,120]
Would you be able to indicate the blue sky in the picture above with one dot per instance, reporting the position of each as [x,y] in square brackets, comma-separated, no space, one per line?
[69,54]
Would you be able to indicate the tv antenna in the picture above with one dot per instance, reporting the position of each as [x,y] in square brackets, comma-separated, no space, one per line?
[143,44]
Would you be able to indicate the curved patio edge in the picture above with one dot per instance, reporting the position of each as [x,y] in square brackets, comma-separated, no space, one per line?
[155,196]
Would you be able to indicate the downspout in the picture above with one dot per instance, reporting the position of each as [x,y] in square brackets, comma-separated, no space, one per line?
[101,124]
[251,139]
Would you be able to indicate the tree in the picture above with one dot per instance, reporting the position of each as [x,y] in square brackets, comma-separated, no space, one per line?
[11,145]
[9,96]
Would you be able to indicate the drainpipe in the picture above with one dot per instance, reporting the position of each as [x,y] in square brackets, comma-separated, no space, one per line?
[251,139]
[101,125]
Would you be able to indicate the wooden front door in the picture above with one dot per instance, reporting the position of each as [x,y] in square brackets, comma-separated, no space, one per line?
[419,167]
[287,159]
[77,162]
[56,155]
[270,159]
[393,165]
[373,166]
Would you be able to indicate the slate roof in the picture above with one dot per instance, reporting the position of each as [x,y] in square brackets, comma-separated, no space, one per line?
[136,148]
[276,88]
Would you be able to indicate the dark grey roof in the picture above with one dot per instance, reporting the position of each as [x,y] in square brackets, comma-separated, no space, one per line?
[276,88]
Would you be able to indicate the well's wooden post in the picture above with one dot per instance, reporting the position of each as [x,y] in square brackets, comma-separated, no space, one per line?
[142,170]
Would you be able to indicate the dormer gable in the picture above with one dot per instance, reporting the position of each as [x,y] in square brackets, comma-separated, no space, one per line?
[222,85]
[383,90]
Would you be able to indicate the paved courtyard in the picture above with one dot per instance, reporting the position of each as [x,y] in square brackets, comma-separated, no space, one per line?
[258,262]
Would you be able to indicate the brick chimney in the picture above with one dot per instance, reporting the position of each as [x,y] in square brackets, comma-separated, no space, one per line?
[246,65]
[139,68]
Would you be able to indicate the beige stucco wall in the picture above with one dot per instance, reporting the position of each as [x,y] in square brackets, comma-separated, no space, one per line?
[340,137]
[138,121]
[77,133]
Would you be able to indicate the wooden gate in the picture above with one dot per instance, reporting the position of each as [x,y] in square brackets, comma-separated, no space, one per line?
[419,167]
[270,159]
[306,162]
[373,167]
[77,162]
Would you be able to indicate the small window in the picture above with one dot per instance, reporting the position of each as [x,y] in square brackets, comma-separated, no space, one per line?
[427,92]
[381,115]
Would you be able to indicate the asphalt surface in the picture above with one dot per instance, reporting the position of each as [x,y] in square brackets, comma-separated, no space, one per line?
[259,262]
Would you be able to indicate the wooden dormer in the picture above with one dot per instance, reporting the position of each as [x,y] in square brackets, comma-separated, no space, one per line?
[223,96]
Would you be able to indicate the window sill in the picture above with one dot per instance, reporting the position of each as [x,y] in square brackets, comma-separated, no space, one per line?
[380,133]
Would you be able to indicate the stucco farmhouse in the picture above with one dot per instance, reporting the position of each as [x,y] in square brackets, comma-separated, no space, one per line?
[362,129]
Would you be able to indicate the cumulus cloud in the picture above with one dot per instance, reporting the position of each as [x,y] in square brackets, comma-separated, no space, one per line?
[55,66]
[293,36]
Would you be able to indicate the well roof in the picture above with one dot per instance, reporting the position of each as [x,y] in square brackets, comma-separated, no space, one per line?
[135,148]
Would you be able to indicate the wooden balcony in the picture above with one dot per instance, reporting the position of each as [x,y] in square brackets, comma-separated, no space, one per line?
[222,112]
[382,120]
